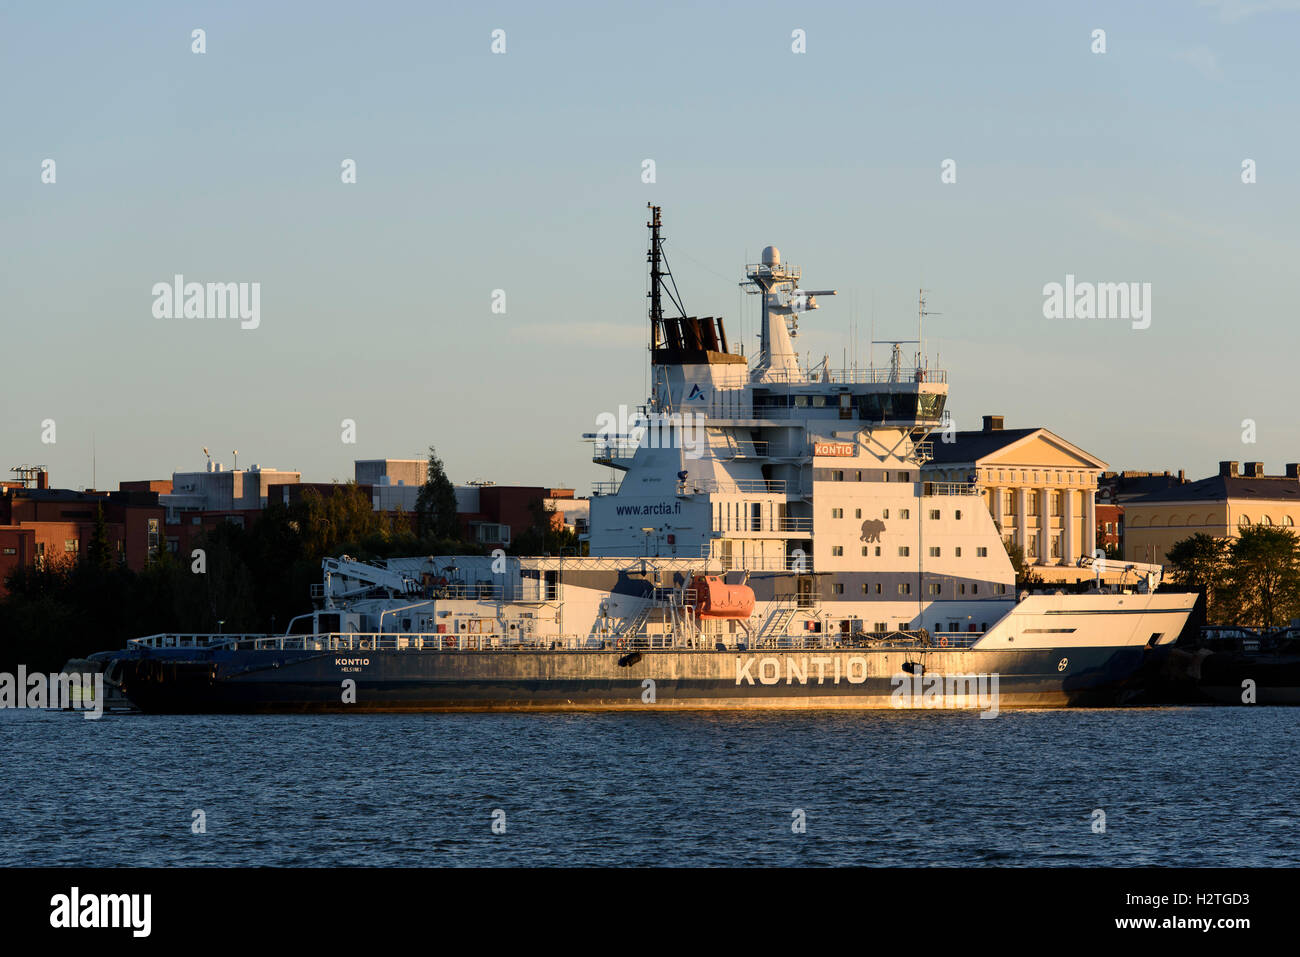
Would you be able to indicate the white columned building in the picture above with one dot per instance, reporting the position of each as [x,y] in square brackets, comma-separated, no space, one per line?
[1008,465]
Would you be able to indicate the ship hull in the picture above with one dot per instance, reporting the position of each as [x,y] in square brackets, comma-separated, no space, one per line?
[234,681]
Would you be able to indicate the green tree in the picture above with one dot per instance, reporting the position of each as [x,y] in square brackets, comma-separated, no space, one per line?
[1201,562]
[546,534]
[98,554]
[435,507]
[1263,581]
[1025,574]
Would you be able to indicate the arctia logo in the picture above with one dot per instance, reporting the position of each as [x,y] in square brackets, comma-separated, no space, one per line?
[697,394]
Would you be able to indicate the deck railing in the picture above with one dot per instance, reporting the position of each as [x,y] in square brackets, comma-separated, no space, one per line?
[367,642]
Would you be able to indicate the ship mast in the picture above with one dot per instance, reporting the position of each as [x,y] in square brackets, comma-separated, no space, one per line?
[661,279]
[655,258]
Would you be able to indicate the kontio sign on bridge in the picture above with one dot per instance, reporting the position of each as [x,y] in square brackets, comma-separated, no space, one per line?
[841,449]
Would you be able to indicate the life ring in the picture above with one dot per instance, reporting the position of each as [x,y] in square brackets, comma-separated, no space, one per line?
[621,644]
[943,642]
[448,641]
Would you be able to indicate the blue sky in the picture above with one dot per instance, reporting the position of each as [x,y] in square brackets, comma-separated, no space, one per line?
[522,172]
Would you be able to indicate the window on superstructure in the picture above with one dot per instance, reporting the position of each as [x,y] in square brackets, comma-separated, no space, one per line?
[857,513]
[884,513]
[961,589]
[864,550]
[957,515]
[837,513]
[934,551]
[975,589]
[934,515]
[837,550]
[905,476]
[999,589]
[864,588]
[981,552]
[838,588]
[903,551]
[958,551]
[934,589]
[882,626]
[877,551]
[904,588]
[859,476]
[837,475]
[904,513]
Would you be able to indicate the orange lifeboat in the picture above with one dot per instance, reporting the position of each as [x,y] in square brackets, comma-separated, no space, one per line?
[714,598]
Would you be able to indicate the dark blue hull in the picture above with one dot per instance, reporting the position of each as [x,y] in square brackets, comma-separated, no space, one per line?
[226,680]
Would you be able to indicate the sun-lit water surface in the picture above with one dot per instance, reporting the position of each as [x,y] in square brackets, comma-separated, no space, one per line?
[1186,786]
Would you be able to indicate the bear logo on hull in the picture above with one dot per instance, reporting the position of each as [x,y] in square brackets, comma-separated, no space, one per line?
[872,529]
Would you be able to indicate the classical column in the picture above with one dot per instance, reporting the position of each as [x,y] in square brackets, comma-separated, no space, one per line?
[1044,526]
[1068,553]
[995,506]
[1090,519]
[1022,523]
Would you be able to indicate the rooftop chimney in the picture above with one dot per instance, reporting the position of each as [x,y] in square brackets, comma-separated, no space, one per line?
[1227,469]
[1293,470]
[43,479]
[1255,469]
[992,423]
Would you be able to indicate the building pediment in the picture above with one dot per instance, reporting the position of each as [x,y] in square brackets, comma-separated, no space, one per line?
[1040,449]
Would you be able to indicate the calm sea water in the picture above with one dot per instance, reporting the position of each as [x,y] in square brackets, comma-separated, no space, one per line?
[1194,786]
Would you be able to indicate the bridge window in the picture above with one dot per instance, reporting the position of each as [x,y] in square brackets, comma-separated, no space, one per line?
[934,551]
[837,550]
[981,552]
[934,515]
[904,513]
[903,551]
[904,588]
[934,589]
[838,588]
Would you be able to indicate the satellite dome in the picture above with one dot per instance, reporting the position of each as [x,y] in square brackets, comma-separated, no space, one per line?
[771,256]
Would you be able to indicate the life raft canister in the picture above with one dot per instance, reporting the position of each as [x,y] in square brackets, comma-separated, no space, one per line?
[714,598]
